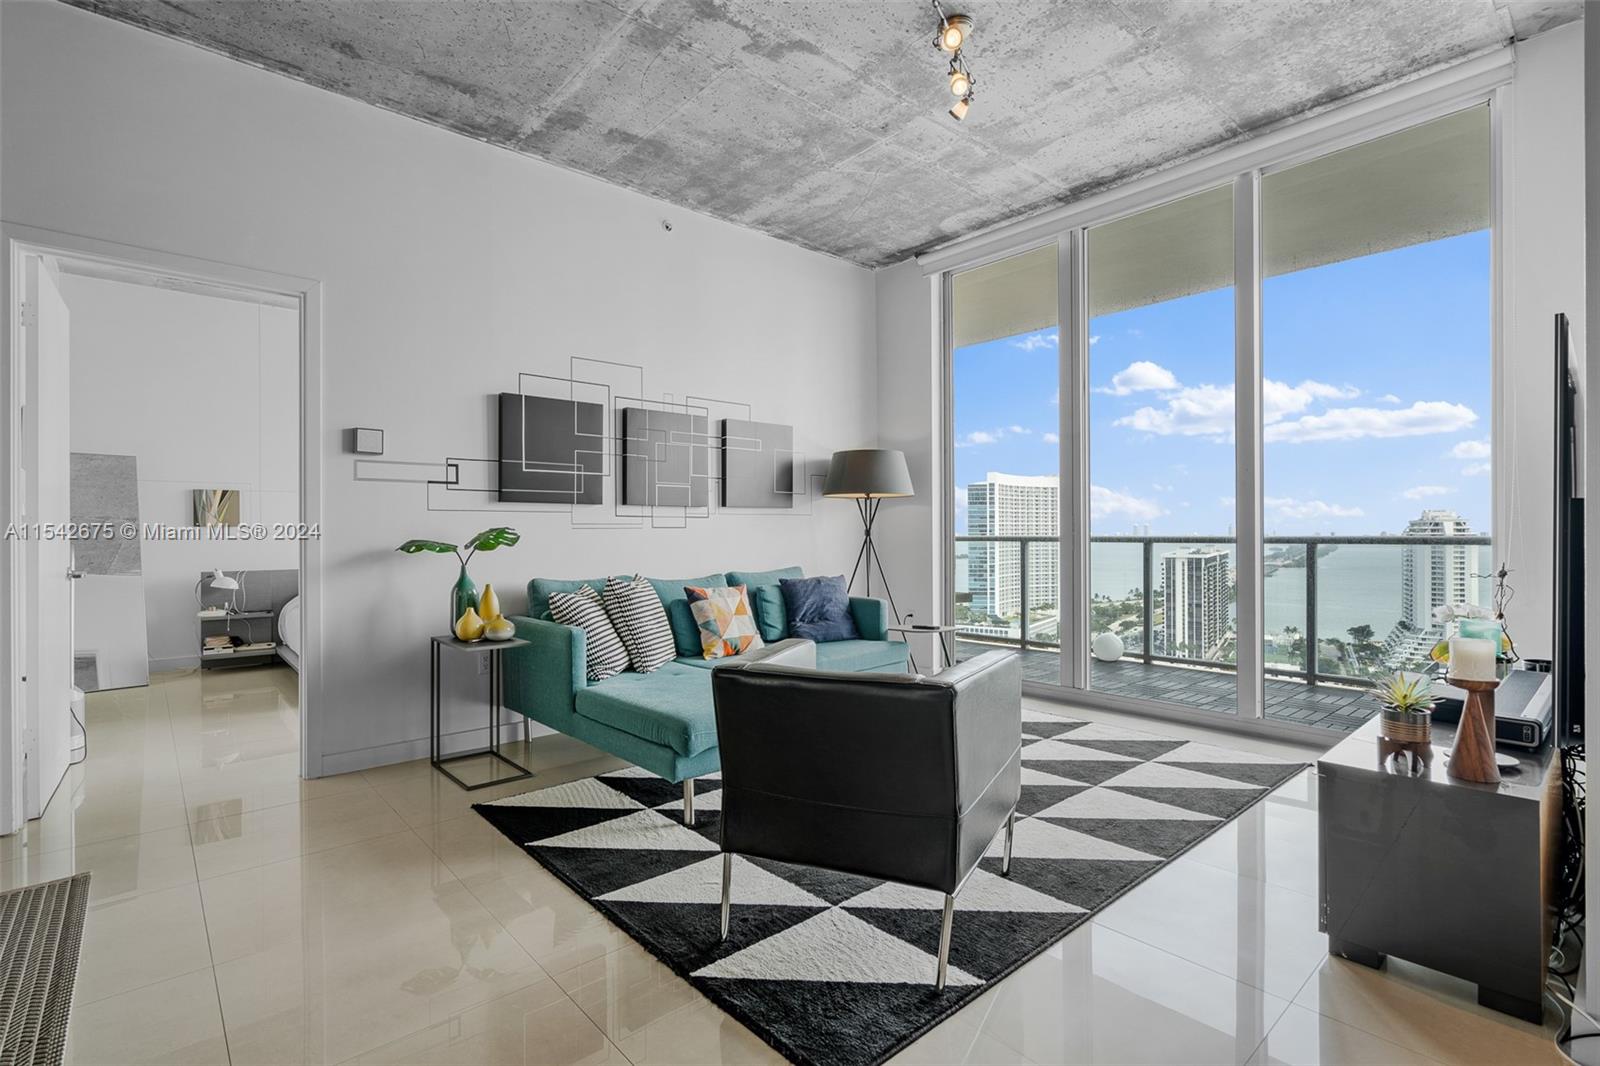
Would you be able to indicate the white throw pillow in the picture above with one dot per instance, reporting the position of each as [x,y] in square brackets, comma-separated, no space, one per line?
[641,622]
[604,654]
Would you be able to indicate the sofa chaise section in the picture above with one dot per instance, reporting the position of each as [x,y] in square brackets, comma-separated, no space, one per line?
[663,721]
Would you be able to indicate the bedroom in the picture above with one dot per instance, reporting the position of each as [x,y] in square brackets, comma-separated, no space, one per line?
[183,422]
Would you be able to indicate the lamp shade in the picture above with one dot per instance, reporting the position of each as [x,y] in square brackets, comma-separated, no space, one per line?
[868,473]
[219,580]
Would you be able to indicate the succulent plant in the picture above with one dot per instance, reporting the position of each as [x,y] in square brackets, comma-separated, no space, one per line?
[1408,695]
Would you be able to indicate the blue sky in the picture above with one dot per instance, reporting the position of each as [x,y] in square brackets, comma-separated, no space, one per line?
[1377,400]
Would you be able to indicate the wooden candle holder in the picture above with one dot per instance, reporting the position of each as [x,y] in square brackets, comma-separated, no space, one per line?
[1472,756]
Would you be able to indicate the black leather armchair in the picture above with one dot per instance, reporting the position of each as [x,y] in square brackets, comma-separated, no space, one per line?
[892,776]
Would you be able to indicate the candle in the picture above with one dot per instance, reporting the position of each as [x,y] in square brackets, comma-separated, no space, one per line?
[1472,659]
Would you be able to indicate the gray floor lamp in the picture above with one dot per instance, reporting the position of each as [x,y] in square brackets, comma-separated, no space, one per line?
[869,476]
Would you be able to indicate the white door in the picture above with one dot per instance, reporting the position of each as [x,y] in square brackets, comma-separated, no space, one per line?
[46,453]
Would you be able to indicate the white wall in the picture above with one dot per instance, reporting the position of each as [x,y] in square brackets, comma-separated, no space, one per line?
[447,267]
[1544,215]
[1543,171]
[910,399]
[204,392]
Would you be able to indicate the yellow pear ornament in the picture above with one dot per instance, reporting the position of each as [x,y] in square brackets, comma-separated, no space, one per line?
[469,627]
[500,628]
[488,605]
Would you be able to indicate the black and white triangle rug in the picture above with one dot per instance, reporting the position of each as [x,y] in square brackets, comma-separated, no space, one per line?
[834,968]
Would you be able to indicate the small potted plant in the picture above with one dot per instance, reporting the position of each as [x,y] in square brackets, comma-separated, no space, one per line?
[1407,709]
[465,592]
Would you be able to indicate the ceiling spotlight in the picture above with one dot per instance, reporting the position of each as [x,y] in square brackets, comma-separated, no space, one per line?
[958,110]
[954,33]
[960,82]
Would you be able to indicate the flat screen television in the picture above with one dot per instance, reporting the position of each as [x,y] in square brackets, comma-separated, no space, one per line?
[1566,658]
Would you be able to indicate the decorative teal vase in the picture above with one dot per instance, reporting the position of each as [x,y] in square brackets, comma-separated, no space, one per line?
[464,595]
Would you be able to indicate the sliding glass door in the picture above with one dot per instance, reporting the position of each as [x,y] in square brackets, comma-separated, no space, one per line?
[1147,541]
[1005,411]
[1162,621]
[1376,356]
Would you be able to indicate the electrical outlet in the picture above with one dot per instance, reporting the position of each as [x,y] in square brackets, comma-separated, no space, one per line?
[483,665]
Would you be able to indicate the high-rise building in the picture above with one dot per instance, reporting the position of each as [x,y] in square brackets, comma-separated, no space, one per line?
[1012,505]
[1195,602]
[1431,575]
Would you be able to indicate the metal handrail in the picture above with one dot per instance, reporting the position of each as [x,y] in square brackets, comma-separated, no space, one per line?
[1310,669]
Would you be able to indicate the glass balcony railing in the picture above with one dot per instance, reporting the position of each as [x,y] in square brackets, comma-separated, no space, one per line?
[1337,609]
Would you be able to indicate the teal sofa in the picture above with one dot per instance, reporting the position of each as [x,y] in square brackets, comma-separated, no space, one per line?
[663,721]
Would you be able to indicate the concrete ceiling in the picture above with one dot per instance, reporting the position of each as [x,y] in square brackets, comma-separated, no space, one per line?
[824,123]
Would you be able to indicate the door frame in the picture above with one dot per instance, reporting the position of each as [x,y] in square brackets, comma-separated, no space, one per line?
[18,241]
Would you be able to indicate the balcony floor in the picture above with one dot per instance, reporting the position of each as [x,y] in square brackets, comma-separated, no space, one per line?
[1324,706]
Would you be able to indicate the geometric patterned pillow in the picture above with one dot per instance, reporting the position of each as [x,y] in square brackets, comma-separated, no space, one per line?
[641,622]
[604,655]
[727,626]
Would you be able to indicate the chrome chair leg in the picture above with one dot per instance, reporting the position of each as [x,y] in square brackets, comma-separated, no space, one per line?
[727,889]
[1011,832]
[688,802]
[944,939]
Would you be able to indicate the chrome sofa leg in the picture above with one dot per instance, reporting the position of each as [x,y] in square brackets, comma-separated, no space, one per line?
[944,939]
[727,889]
[688,802]
[1011,831]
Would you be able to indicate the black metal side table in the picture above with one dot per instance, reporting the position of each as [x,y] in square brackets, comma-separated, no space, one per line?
[493,649]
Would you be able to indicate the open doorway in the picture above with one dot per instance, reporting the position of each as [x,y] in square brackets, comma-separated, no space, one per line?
[159,522]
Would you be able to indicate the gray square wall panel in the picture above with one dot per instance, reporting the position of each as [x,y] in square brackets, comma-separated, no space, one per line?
[757,464]
[551,450]
[105,494]
[664,458]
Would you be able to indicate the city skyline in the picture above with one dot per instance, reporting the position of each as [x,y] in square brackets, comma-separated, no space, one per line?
[1374,364]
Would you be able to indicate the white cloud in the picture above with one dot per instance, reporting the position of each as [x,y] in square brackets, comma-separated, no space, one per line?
[1094,338]
[1207,410]
[1050,438]
[1353,423]
[1108,503]
[1020,431]
[1288,507]
[1388,397]
[1475,469]
[1156,485]
[980,436]
[1035,341]
[1142,376]
[1201,411]
[1424,491]
[1471,449]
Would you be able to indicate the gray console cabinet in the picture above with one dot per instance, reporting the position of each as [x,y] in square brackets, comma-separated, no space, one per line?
[1455,876]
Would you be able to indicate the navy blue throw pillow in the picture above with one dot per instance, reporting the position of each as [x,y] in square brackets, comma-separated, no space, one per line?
[818,608]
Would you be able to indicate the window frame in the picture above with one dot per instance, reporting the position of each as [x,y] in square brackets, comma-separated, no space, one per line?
[1484,81]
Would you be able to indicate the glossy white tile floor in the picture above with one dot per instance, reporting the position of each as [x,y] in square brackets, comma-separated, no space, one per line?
[241,915]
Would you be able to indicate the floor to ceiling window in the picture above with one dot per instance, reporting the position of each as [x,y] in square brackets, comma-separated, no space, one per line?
[1006,425]
[1372,269]
[1376,407]
[1161,464]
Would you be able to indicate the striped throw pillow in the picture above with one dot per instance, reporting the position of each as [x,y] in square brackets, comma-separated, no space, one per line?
[641,622]
[604,654]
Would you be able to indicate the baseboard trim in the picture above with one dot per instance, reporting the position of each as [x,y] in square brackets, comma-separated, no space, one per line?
[345,762]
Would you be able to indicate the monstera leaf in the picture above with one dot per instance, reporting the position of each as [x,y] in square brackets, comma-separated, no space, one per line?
[490,539]
[412,547]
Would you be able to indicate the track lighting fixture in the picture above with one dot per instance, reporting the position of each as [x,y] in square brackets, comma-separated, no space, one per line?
[955,31]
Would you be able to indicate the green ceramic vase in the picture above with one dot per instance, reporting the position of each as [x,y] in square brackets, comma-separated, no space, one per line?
[462,596]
